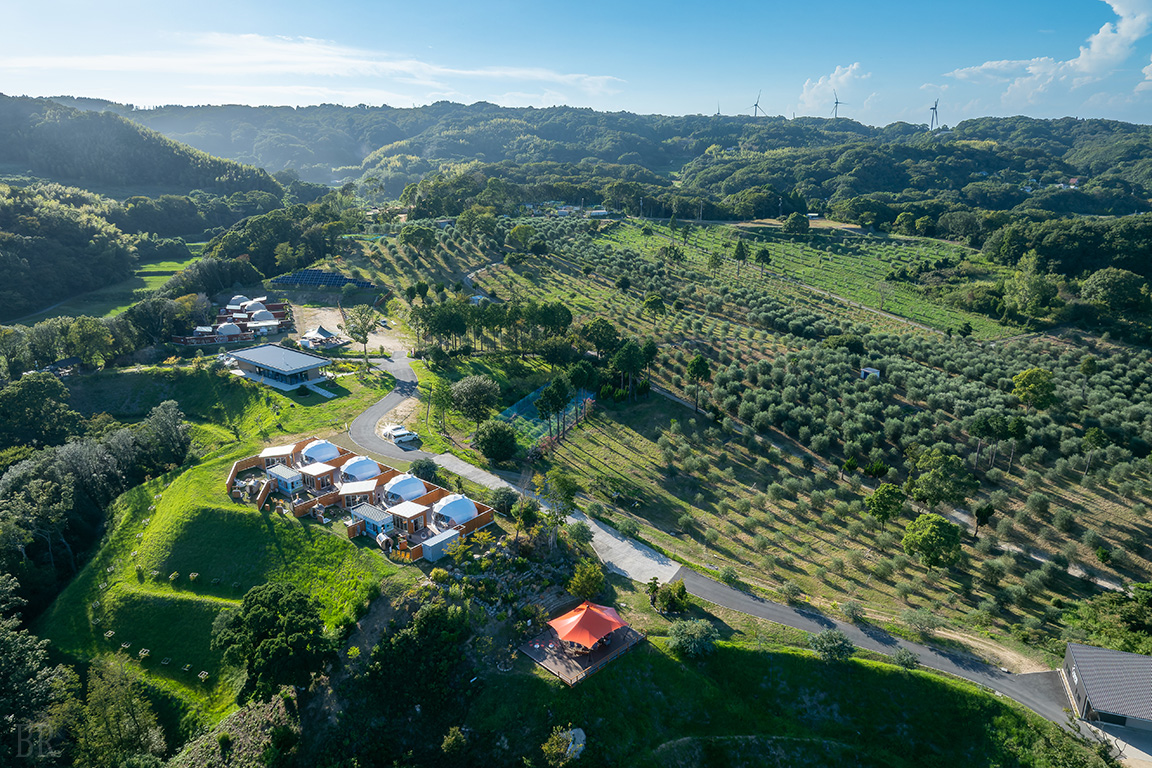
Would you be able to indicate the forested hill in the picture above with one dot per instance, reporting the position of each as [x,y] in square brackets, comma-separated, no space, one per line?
[398,146]
[104,150]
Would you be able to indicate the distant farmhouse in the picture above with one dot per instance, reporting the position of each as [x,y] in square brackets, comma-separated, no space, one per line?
[398,510]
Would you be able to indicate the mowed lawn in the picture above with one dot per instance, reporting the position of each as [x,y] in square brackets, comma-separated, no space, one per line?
[115,298]
[140,585]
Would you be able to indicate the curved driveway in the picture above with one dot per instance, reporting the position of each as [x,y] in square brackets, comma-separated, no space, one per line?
[363,428]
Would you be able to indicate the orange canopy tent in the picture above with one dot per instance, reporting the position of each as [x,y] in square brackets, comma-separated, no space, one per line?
[587,623]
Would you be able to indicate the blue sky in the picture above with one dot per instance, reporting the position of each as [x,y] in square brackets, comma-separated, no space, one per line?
[885,60]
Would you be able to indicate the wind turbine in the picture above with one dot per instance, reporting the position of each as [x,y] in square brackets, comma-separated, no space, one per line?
[836,105]
[935,117]
[756,106]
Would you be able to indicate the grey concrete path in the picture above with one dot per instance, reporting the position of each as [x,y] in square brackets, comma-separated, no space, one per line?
[1042,692]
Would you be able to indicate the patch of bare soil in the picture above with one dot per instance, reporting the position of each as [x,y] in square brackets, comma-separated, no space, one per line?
[407,413]
[308,318]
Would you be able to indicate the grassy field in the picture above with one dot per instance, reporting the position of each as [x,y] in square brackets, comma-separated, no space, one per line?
[757,700]
[712,502]
[849,266]
[113,299]
[184,524]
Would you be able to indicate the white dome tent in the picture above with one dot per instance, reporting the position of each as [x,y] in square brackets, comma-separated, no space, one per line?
[457,509]
[361,468]
[262,315]
[319,451]
[406,487]
[228,329]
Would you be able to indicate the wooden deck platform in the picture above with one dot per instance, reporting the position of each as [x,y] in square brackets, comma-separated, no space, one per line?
[574,664]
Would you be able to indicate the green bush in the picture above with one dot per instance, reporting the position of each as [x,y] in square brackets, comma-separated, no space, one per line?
[832,645]
[692,637]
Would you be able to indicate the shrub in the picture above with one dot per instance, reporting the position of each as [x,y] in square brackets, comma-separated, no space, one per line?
[1064,520]
[905,659]
[496,439]
[791,592]
[672,598]
[921,619]
[628,527]
[728,575]
[853,611]
[692,637]
[832,645]
[439,575]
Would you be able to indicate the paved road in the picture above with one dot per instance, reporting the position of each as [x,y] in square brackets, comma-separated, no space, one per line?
[363,428]
[1042,692]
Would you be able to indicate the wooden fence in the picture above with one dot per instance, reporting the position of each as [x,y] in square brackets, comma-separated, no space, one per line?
[240,466]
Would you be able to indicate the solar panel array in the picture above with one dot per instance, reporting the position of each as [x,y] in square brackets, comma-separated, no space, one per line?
[310,278]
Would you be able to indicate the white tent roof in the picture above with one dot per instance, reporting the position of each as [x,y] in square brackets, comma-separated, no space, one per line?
[358,488]
[262,314]
[406,486]
[457,508]
[254,306]
[319,332]
[361,468]
[228,329]
[320,450]
[237,301]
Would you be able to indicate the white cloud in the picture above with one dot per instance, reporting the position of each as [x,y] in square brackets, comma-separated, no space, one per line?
[818,96]
[1026,80]
[1147,84]
[236,57]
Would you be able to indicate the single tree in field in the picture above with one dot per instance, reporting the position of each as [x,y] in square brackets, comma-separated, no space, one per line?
[763,258]
[654,304]
[685,231]
[440,401]
[602,334]
[276,635]
[90,340]
[886,502]
[941,478]
[359,322]
[1088,368]
[795,224]
[475,397]
[588,579]
[1035,387]
[1094,439]
[419,237]
[496,439]
[933,539]
[649,349]
[503,499]
[698,371]
[740,255]
[714,261]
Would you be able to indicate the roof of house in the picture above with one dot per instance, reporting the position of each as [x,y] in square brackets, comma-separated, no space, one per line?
[280,358]
[406,487]
[358,488]
[317,469]
[442,537]
[457,507]
[372,513]
[283,472]
[408,509]
[275,451]
[1117,682]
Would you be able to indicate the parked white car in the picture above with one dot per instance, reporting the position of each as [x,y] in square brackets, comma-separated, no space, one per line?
[399,434]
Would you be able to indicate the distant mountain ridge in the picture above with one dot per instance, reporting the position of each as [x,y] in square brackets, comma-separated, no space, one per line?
[329,143]
[92,148]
